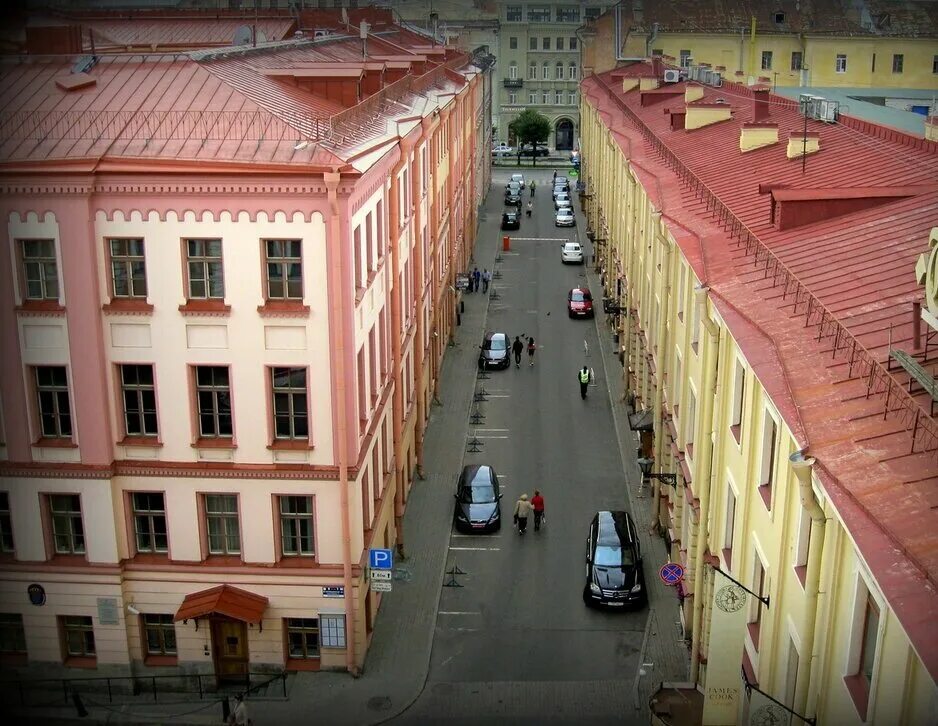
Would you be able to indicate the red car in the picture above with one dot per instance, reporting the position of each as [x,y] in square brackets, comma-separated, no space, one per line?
[580,303]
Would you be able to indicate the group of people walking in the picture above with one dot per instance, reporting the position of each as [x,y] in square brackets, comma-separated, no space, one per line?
[477,278]
[517,348]
[523,508]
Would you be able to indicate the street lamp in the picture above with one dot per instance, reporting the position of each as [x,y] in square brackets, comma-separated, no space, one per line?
[645,465]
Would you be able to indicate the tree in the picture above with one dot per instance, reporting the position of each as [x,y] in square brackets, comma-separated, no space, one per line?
[530,128]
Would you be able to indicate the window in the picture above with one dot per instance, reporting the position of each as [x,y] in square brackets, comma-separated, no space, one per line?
[160,634]
[296,526]
[332,628]
[532,71]
[55,416]
[302,637]
[739,396]
[755,605]
[767,469]
[512,98]
[289,399]
[568,14]
[513,70]
[573,75]
[532,43]
[678,372]
[40,269]
[873,63]
[221,524]
[12,634]
[729,526]
[796,60]
[128,268]
[545,71]
[573,98]
[6,524]
[593,13]
[214,401]
[779,18]
[513,13]
[532,97]
[681,282]
[558,42]
[558,74]
[357,247]
[204,263]
[934,64]
[869,639]
[545,43]
[284,269]
[539,14]
[545,97]
[558,97]
[690,421]
[766,60]
[685,58]
[897,61]
[513,43]
[573,43]
[68,532]
[139,400]
[149,513]
[78,636]
[840,64]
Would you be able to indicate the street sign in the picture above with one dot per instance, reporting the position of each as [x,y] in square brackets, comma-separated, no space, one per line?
[381,586]
[333,591]
[381,575]
[381,559]
[462,280]
[671,573]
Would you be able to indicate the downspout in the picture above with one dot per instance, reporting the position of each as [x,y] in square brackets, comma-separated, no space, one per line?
[662,347]
[397,400]
[742,50]
[752,49]
[803,470]
[650,40]
[702,474]
[336,276]
[618,33]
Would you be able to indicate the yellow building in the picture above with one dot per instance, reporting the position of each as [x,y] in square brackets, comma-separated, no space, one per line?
[771,322]
[887,45]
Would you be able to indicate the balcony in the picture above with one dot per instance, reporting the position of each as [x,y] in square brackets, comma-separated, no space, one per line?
[513,82]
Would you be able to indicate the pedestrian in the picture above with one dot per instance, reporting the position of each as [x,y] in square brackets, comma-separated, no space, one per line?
[239,717]
[486,279]
[522,510]
[583,377]
[555,175]
[532,189]
[537,501]
[476,275]
[517,347]
[531,349]
[530,208]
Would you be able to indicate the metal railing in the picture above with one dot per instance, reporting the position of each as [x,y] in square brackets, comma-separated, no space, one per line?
[898,402]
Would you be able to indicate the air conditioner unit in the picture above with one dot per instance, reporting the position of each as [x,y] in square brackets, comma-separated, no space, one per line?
[705,76]
[694,72]
[716,79]
[320,33]
[672,76]
[827,110]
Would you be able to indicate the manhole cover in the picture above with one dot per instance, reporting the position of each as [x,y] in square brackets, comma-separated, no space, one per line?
[379,703]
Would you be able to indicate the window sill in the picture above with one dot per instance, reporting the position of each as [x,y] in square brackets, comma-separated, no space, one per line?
[40,307]
[161,660]
[55,443]
[728,558]
[152,441]
[81,662]
[215,443]
[283,309]
[128,306]
[753,629]
[222,560]
[297,561]
[150,558]
[205,307]
[859,693]
[303,664]
[765,490]
[67,560]
[289,445]
[737,432]
[801,572]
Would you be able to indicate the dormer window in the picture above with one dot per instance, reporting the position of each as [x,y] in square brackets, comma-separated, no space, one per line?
[779,17]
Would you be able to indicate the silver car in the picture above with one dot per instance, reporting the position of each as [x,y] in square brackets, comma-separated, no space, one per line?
[565,218]
[572,253]
[562,200]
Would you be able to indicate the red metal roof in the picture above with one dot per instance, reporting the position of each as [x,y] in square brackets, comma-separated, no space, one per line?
[225,600]
[854,272]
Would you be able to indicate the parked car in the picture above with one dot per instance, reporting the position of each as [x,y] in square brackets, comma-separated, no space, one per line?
[561,185]
[495,351]
[503,149]
[562,204]
[511,219]
[571,252]
[614,573]
[562,200]
[565,218]
[477,500]
[580,303]
[513,198]
[534,150]
[519,178]
[513,186]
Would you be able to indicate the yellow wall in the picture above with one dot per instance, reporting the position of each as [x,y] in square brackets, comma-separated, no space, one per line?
[659,284]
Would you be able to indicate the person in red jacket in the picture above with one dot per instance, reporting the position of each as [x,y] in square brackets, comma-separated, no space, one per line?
[537,501]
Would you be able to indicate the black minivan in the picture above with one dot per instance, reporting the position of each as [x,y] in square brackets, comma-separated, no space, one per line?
[614,575]
[477,500]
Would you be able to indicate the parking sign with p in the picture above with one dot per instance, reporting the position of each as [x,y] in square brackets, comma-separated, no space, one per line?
[381,559]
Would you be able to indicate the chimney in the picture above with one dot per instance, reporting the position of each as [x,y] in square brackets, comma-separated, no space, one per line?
[803,144]
[677,119]
[628,84]
[648,84]
[657,67]
[693,93]
[756,135]
[760,104]
[698,115]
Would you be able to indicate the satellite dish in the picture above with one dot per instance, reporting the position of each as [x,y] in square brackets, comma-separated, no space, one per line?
[242,35]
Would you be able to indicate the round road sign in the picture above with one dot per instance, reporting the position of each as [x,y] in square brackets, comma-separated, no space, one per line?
[671,573]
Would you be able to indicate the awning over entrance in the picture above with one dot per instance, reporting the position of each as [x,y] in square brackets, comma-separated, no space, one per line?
[641,420]
[224,600]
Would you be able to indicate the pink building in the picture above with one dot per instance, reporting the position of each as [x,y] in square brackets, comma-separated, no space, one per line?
[226,297]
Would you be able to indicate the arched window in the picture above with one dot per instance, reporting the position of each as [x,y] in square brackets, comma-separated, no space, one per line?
[532,72]
[573,72]
[559,74]
[546,71]
[513,70]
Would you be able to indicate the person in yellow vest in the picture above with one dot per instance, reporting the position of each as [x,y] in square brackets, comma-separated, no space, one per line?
[583,377]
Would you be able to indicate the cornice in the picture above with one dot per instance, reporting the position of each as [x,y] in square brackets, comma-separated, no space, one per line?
[192,470]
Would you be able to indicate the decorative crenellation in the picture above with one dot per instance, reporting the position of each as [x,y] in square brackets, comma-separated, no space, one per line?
[168,188]
[160,469]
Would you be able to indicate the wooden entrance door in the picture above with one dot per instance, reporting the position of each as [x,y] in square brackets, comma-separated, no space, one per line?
[230,649]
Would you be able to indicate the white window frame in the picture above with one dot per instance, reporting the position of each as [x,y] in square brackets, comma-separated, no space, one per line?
[862,590]
[332,631]
[840,63]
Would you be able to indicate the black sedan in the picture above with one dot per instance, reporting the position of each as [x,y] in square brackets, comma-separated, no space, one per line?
[511,220]
[477,500]
[614,575]
[495,351]
[513,199]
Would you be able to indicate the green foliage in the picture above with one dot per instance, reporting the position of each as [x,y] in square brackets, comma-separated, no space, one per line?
[530,127]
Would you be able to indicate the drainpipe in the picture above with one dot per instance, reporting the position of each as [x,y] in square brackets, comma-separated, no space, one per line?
[752,48]
[336,276]
[397,400]
[618,34]
[702,474]
[742,49]
[650,40]
[662,346]
[803,467]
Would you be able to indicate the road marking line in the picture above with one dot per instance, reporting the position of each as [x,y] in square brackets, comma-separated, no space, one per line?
[493,429]
[458,612]
[476,549]
[473,536]
[490,395]
[489,437]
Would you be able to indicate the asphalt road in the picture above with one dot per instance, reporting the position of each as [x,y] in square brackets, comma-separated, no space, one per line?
[516,644]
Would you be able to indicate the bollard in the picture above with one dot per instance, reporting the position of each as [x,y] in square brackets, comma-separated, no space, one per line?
[506,243]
